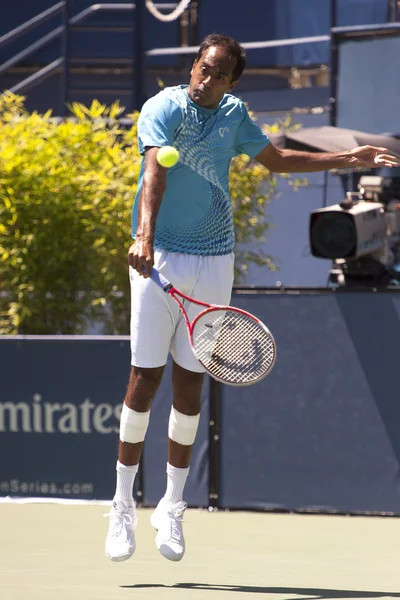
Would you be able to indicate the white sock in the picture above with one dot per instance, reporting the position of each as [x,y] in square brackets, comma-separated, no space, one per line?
[176,479]
[125,480]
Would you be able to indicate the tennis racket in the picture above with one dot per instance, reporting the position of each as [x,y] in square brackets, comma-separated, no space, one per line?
[232,345]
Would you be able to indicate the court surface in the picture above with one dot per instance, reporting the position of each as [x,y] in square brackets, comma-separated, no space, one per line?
[56,552]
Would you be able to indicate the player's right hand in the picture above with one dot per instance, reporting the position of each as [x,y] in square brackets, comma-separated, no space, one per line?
[141,257]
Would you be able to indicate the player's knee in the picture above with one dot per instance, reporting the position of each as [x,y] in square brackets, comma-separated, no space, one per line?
[147,377]
[142,387]
[133,425]
[187,390]
[182,428]
[187,404]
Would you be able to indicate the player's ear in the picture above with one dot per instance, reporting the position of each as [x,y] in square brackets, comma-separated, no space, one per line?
[233,85]
[193,66]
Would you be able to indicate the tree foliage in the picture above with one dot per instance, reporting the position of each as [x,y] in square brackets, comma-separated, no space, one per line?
[66,191]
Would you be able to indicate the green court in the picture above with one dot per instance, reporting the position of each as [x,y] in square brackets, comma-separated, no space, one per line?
[56,552]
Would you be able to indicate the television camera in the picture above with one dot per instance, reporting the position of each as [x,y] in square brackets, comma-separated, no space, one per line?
[361,234]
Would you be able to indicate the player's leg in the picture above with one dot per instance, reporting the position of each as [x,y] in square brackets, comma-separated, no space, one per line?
[182,429]
[152,326]
[213,283]
[142,386]
[186,387]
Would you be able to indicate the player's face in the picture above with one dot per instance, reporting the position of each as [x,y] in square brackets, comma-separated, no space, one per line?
[211,77]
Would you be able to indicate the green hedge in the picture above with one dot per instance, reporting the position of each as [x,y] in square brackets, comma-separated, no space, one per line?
[66,191]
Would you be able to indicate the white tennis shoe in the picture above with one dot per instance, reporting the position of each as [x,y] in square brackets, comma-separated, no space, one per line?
[168,519]
[120,542]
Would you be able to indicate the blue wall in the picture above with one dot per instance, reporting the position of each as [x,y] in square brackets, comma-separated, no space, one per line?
[266,20]
[325,423]
[321,432]
[369,67]
[280,19]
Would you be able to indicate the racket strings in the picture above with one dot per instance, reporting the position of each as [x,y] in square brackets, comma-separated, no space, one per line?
[232,346]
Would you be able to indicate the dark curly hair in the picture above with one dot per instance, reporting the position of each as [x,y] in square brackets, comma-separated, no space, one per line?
[233,48]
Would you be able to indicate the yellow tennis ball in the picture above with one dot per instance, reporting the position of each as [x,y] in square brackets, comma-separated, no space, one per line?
[167,156]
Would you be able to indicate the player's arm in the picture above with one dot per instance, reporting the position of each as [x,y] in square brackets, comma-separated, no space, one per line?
[141,253]
[293,161]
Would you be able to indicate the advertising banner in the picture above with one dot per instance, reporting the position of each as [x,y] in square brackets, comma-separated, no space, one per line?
[60,406]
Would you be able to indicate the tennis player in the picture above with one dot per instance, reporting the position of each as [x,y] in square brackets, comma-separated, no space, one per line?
[182,224]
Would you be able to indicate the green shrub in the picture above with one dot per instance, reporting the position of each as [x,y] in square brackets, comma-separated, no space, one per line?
[66,191]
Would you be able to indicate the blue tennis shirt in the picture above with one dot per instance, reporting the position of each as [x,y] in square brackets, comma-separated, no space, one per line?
[195,216]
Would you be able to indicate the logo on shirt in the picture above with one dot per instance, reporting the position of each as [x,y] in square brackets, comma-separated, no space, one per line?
[223,130]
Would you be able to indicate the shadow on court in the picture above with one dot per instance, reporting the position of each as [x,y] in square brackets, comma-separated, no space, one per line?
[306,593]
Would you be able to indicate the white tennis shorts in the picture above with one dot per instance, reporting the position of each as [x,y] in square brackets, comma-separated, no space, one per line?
[157,325]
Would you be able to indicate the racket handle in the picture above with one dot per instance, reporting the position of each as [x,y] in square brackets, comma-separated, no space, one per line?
[160,280]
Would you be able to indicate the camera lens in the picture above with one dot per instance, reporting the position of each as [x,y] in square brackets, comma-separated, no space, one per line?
[332,235]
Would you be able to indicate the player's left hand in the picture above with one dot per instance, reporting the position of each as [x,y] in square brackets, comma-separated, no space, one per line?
[371,157]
